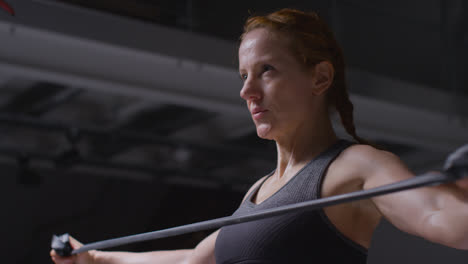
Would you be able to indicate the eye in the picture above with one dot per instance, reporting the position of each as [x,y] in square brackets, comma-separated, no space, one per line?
[267,67]
[243,76]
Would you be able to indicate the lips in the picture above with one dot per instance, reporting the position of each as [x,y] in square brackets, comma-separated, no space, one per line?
[258,112]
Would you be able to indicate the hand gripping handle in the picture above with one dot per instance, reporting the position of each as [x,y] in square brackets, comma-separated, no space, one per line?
[61,245]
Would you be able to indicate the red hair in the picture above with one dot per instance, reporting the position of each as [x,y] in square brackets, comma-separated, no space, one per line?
[312,41]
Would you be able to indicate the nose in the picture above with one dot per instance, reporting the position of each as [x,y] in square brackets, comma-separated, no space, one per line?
[251,90]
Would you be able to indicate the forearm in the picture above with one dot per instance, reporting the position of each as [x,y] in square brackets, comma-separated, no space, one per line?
[157,257]
[449,224]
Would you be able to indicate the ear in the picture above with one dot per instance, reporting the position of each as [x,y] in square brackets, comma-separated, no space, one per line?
[323,74]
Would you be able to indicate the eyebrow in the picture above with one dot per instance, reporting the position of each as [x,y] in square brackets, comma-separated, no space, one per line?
[263,60]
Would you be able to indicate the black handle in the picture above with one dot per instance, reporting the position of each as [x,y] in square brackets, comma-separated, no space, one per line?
[61,245]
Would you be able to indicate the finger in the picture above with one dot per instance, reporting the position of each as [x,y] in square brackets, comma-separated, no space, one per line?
[54,254]
[63,260]
[75,243]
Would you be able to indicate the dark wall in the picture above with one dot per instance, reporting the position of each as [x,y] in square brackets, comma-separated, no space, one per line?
[391,246]
[98,208]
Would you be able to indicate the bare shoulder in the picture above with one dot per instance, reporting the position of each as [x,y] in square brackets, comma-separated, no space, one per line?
[365,160]
[362,166]
[366,154]
[347,173]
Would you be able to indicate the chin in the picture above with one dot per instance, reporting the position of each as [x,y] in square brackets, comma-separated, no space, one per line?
[265,137]
[265,133]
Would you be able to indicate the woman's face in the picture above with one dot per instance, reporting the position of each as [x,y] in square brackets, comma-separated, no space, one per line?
[277,88]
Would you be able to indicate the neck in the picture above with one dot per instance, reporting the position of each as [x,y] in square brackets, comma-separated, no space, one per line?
[306,142]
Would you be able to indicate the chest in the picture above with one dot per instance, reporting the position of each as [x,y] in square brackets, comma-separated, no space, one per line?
[355,221]
[299,237]
[335,181]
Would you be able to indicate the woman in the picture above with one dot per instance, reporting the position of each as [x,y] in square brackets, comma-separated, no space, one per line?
[293,74]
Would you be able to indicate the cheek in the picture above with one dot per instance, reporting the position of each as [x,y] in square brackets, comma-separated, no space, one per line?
[293,98]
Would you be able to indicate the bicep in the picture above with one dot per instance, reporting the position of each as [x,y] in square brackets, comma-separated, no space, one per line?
[407,210]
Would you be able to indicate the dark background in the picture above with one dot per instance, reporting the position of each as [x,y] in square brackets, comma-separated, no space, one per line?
[120,117]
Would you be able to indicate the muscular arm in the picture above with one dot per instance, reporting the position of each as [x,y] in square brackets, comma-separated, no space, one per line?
[438,214]
[202,254]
